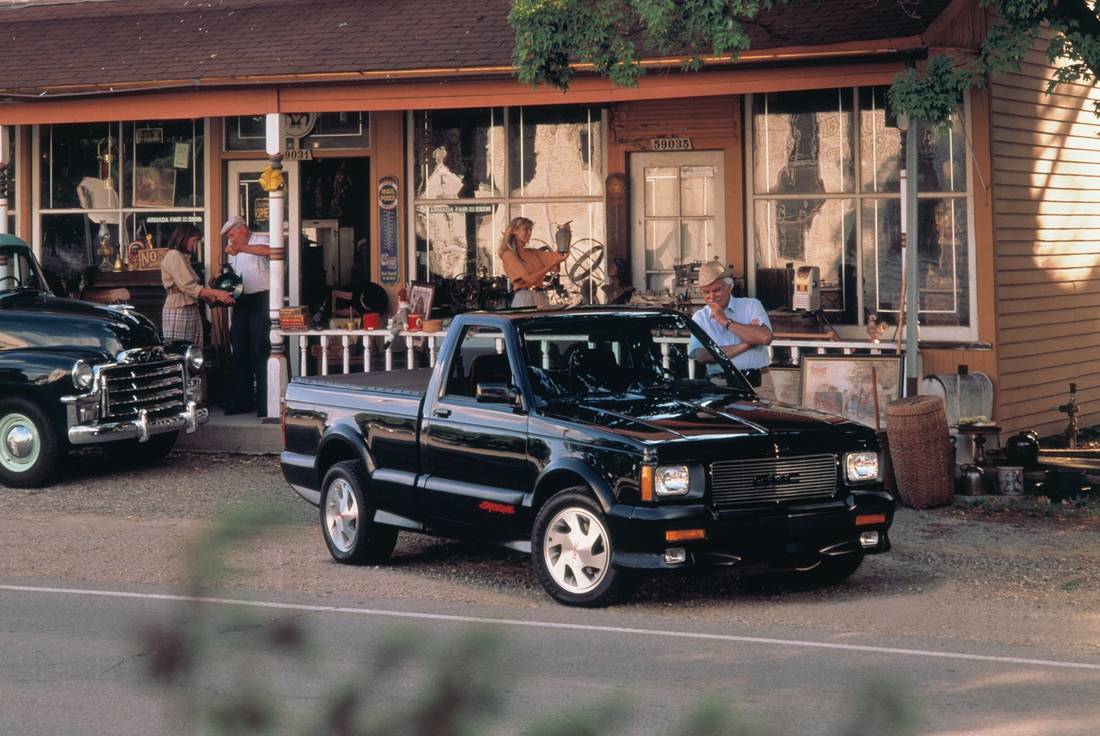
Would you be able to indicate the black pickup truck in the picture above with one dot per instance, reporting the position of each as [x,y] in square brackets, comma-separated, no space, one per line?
[590,439]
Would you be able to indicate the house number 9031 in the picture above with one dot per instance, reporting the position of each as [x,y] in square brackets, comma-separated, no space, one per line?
[671,144]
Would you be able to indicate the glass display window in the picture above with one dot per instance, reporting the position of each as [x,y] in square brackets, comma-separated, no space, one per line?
[326,130]
[845,149]
[473,170]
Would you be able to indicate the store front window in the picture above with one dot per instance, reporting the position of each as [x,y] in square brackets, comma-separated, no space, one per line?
[825,190]
[474,170]
[109,190]
[12,188]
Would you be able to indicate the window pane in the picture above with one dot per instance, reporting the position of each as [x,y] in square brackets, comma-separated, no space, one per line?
[697,190]
[73,243]
[339,130]
[457,240]
[882,149]
[153,229]
[555,151]
[584,272]
[882,256]
[245,133]
[459,153]
[662,191]
[802,142]
[696,240]
[662,245]
[812,232]
[944,266]
[165,163]
[80,166]
[941,157]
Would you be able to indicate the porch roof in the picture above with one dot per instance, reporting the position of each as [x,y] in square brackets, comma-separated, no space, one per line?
[63,48]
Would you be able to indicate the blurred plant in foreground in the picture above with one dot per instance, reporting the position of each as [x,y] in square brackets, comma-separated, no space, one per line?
[225,670]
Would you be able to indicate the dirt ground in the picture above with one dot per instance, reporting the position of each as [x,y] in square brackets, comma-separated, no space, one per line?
[1022,572]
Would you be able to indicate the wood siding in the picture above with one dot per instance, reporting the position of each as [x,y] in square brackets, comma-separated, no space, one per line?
[1046,214]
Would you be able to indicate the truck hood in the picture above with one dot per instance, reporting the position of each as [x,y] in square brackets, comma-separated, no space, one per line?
[38,318]
[712,418]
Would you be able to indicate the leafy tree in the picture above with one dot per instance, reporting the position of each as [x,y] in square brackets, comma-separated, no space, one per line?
[553,35]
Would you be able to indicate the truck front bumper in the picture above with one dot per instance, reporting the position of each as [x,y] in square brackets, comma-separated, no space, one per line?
[790,537]
[141,428]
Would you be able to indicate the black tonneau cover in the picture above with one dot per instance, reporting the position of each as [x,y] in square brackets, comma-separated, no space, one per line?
[413,381]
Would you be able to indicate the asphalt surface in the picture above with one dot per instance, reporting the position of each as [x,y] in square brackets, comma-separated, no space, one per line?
[978,625]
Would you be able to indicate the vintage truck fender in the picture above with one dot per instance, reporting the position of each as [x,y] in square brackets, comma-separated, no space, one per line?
[43,375]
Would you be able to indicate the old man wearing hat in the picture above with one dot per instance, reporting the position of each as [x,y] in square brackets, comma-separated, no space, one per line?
[739,326]
[249,255]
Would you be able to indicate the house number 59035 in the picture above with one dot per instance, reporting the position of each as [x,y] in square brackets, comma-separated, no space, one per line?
[671,144]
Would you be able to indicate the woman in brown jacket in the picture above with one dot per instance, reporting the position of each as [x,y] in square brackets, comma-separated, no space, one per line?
[180,319]
[526,268]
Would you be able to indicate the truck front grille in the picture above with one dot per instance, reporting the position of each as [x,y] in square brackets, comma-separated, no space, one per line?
[157,387]
[737,483]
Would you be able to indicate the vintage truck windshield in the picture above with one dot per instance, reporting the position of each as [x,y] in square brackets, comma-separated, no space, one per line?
[620,353]
[18,270]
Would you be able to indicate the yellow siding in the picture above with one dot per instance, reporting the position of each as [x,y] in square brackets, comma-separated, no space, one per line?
[1046,218]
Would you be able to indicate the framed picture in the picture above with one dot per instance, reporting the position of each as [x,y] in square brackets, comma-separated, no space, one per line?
[847,385]
[787,383]
[154,187]
[420,299]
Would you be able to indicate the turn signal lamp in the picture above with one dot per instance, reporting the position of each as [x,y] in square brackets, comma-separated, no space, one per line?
[647,482]
[868,519]
[685,535]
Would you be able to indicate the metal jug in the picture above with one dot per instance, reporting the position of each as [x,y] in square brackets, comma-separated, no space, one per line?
[563,237]
[972,482]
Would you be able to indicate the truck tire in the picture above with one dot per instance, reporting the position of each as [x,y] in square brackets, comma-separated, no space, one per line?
[572,551]
[132,453]
[351,538]
[29,451]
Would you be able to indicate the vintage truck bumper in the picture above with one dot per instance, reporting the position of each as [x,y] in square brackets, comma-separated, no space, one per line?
[781,538]
[141,428]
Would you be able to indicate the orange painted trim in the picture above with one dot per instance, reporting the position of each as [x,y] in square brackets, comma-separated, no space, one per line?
[160,106]
[24,177]
[982,202]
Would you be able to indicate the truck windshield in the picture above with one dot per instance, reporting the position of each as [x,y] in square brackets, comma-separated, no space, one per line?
[621,353]
[19,270]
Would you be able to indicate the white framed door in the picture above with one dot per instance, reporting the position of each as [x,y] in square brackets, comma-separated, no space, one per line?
[249,200]
[678,214]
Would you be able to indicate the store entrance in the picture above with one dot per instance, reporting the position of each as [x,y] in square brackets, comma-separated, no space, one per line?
[335,230]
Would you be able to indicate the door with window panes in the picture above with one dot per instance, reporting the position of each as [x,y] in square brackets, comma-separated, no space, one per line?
[678,214]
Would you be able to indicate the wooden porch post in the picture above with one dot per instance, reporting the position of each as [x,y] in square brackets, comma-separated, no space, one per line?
[272,182]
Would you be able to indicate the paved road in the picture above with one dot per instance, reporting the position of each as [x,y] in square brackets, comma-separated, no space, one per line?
[87,566]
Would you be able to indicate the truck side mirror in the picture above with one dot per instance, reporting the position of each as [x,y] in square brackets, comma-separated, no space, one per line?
[498,393]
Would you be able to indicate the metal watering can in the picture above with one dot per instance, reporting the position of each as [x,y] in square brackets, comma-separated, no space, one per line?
[563,236]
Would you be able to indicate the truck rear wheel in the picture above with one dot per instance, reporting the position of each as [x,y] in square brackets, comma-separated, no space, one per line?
[28,445]
[572,551]
[345,511]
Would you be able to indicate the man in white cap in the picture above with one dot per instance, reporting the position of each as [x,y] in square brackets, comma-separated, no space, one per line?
[248,334]
[739,326]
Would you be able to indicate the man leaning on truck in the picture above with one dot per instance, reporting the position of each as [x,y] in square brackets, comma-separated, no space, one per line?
[739,326]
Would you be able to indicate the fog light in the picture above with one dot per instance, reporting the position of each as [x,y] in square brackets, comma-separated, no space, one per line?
[868,539]
[675,556]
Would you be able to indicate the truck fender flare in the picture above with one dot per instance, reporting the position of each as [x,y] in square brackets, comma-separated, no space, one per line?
[343,438]
[547,482]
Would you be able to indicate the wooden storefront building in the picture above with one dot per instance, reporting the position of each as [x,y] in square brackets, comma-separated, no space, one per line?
[128,117]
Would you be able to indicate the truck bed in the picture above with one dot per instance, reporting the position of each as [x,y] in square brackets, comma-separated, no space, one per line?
[412,382]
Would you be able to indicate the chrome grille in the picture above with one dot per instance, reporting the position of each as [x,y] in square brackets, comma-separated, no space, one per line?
[158,388]
[772,480]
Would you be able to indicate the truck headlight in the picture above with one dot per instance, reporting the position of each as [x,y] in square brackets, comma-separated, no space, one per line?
[83,375]
[672,480]
[194,357]
[861,466]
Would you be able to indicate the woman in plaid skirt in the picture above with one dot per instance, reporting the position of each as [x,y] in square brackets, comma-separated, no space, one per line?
[181,319]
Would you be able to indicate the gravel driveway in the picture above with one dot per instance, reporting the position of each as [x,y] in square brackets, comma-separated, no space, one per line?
[970,572]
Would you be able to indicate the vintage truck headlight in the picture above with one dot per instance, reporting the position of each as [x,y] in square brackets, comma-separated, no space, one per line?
[672,480]
[194,357]
[861,466]
[83,376]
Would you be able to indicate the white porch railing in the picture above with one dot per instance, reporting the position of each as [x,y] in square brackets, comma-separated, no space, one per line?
[373,343]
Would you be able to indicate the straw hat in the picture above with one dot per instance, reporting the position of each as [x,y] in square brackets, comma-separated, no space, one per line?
[710,272]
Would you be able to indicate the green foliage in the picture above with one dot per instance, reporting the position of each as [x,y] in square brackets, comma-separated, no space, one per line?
[614,35]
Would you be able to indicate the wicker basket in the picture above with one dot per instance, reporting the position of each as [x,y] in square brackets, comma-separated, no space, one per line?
[920,451]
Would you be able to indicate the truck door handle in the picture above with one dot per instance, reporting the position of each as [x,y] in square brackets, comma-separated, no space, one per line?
[441,413]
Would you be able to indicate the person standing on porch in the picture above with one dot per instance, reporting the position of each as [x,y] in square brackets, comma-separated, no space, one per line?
[526,268]
[739,326]
[248,334]
[180,318]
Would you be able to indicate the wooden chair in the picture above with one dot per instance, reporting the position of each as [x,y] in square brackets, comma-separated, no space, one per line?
[107,296]
[339,296]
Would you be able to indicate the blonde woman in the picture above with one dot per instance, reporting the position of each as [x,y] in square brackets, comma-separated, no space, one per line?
[526,268]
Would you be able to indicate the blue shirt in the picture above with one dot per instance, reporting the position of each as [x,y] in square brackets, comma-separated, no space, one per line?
[739,310]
